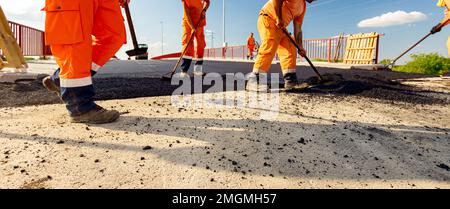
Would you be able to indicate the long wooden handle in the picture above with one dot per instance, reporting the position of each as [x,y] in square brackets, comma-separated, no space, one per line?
[410,48]
[298,50]
[187,45]
[130,24]
[183,53]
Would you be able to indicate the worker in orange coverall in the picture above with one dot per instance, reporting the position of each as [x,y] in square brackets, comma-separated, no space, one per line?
[251,43]
[445,21]
[274,17]
[194,11]
[83,36]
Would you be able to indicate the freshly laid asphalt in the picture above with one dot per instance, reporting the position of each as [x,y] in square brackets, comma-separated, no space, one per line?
[135,79]
[155,69]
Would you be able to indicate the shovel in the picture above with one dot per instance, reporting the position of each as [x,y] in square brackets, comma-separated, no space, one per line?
[168,76]
[391,65]
[136,51]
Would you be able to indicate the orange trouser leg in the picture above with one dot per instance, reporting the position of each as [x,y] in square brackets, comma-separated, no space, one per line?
[271,37]
[81,32]
[186,36]
[201,43]
[288,55]
[250,50]
[108,31]
[68,32]
[448,46]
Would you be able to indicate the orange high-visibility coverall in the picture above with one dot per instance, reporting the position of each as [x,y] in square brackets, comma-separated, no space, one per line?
[83,35]
[446,4]
[251,46]
[274,40]
[448,45]
[195,9]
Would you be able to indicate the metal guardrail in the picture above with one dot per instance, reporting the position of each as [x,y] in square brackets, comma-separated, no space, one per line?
[30,40]
[323,49]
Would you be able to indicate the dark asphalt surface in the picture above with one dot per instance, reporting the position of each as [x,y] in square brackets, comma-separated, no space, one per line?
[155,69]
[134,79]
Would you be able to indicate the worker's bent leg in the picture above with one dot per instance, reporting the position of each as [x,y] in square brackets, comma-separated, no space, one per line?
[68,31]
[270,36]
[108,31]
[250,51]
[448,46]
[201,44]
[288,56]
[187,58]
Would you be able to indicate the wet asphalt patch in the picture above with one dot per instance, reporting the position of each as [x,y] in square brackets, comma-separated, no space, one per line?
[33,93]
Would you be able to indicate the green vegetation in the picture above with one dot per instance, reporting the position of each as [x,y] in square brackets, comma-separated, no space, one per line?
[29,58]
[385,62]
[429,64]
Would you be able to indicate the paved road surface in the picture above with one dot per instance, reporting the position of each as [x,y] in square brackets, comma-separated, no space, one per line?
[154,69]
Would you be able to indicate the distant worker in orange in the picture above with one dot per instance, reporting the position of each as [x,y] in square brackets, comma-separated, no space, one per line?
[83,36]
[274,17]
[251,43]
[194,11]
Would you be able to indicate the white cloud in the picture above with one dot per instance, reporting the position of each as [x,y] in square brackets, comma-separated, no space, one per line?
[27,12]
[393,18]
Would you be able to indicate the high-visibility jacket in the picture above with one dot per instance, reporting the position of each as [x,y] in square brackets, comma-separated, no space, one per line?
[195,10]
[292,10]
[251,41]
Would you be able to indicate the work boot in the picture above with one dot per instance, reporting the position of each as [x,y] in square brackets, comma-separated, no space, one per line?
[50,85]
[198,70]
[98,115]
[290,81]
[184,75]
[257,82]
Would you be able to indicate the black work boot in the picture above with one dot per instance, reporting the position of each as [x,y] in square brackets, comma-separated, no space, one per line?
[97,115]
[290,81]
[50,85]
[185,65]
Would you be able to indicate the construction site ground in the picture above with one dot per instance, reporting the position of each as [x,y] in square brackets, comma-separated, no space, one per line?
[379,130]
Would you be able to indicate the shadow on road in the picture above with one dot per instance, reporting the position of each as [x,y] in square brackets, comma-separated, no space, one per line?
[342,150]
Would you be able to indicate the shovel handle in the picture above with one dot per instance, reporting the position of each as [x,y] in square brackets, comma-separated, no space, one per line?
[306,57]
[130,24]
[187,45]
[410,48]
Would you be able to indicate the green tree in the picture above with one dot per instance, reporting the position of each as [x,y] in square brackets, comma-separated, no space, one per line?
[430,64]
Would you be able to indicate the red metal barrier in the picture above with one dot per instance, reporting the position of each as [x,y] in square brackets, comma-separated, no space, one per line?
[325,49]
[322,49]
[30,40]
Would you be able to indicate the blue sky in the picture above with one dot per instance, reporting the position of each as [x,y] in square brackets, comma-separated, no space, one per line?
[324,18]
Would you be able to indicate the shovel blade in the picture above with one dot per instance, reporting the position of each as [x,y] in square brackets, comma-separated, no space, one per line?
[137,52]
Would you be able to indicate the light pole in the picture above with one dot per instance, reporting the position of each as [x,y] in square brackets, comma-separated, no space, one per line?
[210,33]
[162,38]
[223,24]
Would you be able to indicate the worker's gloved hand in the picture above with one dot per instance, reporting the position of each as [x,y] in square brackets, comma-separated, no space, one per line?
[436,29]
[123,2]
[280,24]
[203,15]
[302,51]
